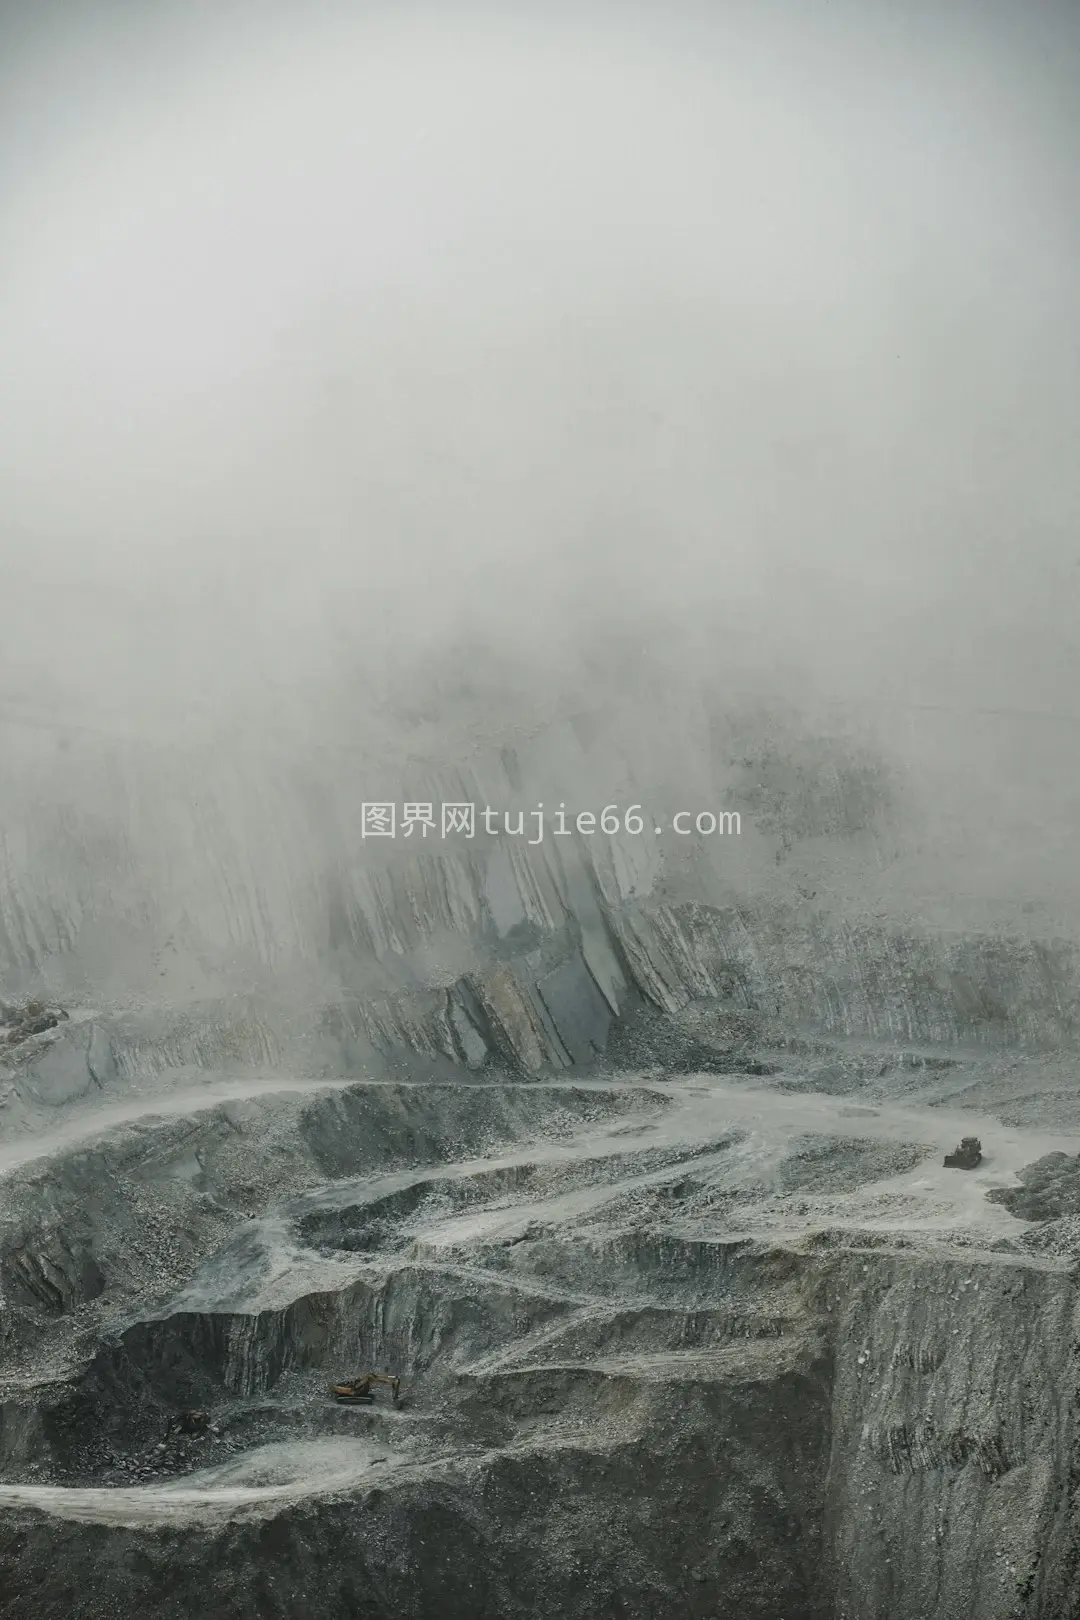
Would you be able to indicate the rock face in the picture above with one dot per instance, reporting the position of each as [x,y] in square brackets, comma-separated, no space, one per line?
[626,1153]
[258,927]
[665,1349]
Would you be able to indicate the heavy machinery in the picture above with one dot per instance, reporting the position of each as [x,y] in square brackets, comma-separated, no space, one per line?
[967,1155]
[17,1024]
[191,1421]
[361,1391]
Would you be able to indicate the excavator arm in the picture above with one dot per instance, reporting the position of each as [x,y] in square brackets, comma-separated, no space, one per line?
[361,1389]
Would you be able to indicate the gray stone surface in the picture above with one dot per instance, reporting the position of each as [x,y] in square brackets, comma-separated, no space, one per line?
[578,1010]
[337,1117]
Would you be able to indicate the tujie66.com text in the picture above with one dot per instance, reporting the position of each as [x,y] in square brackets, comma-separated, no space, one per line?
[380,820]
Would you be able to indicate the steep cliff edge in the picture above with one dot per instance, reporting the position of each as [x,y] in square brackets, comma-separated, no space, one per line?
[249,921]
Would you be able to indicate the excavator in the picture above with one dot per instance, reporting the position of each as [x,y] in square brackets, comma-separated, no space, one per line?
[193,1420]
[361,1391]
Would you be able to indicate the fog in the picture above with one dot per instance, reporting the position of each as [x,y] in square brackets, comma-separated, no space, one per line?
[636,414]
[351,353]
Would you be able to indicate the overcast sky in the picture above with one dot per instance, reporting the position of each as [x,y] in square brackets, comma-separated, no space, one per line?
[335,337]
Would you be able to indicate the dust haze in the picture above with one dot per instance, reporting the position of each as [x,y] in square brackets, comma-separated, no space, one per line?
[376,367]
[664,405]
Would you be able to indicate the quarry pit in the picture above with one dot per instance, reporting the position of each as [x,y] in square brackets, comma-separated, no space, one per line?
[672,1341]
[656,416]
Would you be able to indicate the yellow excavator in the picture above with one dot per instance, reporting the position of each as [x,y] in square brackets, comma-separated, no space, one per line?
[361,1391]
